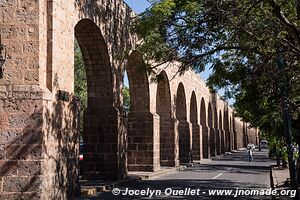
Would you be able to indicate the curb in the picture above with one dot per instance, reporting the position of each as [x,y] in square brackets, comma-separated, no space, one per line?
[93,190]
[163,172]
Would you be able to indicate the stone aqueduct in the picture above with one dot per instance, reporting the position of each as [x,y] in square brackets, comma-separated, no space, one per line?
[174,121]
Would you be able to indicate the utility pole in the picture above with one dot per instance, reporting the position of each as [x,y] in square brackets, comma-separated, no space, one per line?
[287,123]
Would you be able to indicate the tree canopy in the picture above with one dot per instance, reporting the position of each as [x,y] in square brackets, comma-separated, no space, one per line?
[243,41]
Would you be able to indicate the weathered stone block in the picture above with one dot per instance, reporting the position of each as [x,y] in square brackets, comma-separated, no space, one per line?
[8,168]
[24,15]
[13,136]
[7,14]
[33,136]
[2,152]
[23,152]
[29,168]
[15,184]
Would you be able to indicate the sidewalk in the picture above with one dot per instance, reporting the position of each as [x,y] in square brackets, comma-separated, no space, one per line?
[280,176]
[90,188]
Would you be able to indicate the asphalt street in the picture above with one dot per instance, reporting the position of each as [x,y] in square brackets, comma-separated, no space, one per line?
[231,173]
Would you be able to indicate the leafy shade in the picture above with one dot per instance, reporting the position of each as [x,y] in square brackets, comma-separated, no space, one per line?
[243,41]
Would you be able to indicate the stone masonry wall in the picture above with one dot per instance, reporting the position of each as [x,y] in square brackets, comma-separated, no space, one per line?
[39,113]
[21,104]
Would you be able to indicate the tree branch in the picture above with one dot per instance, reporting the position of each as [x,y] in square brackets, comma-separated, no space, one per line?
[292,29]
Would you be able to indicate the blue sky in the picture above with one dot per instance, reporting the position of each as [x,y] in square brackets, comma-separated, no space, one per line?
[139,6]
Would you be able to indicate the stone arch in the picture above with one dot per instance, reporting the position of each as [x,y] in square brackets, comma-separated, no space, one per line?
[195,127]
[210,121]
[100,161]
[226,129]
[202,113]
[138,83]
[181,113]
[217,133]
[234,129]
[205,129]
[183,126]
[166,122]
[222,133]
[143,143]
[209,116]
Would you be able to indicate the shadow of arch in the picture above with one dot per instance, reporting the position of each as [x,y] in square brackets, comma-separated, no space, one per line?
[100,127]
[184,130]
[143,144]
[167,122]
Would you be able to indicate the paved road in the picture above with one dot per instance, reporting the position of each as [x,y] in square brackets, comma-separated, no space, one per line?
[230,172]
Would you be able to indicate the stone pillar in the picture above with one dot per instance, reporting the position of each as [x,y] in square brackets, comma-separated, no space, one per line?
[206,141]
[39,144]
[168,143]
[143,142]
[21,142]
[196,150]
[218,142]
[212,142]
[185,141]
[235,140]
[232,136]
[227,141]
[101,145]
[222,133]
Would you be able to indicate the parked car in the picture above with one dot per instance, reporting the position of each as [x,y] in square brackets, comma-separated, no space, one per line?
[250,145]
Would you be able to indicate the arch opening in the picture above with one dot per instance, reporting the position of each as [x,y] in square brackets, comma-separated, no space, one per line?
[226,129]
[212,137]
[222,133]
[217,133]
[99,139]
[196,153]
[183,126]
[205,130]
[166,122]
[143,143]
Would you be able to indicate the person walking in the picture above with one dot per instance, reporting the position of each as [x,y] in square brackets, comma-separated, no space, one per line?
[250,154]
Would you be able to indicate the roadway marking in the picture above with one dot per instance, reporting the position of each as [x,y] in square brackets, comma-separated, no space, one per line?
[217,176]
[221,173]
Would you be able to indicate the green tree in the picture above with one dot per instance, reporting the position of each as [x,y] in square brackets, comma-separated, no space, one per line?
[126,99]
[242,41]
[80,83]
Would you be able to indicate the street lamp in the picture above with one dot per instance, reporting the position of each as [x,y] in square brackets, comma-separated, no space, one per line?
[2,57]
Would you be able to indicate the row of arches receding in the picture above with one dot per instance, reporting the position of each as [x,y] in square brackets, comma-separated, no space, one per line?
[143,140]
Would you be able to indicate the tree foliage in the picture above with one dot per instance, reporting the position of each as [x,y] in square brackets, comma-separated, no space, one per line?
[243,41]
[126,99]
[80,83]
